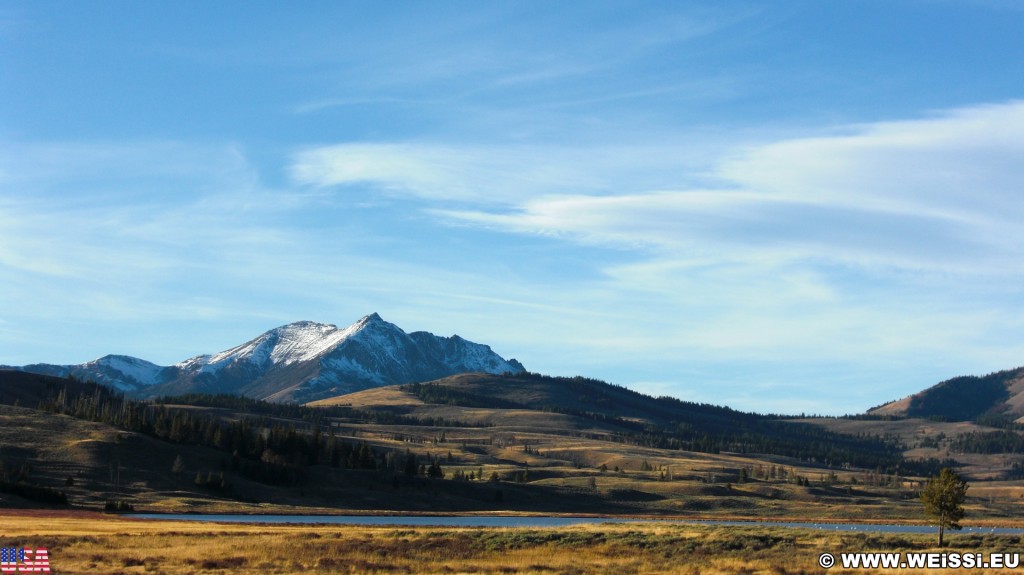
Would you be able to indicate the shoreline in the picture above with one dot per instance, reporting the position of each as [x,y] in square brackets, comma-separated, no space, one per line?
[980,523]
[743,521]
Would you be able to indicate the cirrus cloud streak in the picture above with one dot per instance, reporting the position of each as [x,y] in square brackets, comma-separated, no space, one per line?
[934,194]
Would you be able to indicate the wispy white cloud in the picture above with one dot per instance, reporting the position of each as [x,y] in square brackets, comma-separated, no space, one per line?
[940,193]
[743,228]
[957,163]
[454,173]
[425,172]
[504,175]
[119,231]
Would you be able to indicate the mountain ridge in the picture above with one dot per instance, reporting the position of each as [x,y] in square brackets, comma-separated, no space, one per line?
[297,362]
[964,398]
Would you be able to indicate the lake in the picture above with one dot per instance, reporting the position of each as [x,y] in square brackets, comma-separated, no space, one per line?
[545,521]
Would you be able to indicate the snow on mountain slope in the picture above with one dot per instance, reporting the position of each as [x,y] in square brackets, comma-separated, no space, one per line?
[122,372]
[295,342]
[299,362]
[472,356]
[142,371]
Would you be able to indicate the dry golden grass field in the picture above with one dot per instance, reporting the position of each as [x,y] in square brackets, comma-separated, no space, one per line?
[111,545]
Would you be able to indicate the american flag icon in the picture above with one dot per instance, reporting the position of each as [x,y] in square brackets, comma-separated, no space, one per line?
[22,560]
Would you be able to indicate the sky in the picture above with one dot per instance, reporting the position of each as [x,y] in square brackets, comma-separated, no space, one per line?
[783,207]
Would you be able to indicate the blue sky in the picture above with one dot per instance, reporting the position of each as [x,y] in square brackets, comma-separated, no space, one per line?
[777,206]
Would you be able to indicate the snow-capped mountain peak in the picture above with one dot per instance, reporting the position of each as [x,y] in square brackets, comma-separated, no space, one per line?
[133,368]
[122,372]
[373,318]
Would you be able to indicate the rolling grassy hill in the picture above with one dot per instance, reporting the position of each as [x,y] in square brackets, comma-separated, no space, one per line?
[467,443]
[974,422]
[533,401]
[995,396]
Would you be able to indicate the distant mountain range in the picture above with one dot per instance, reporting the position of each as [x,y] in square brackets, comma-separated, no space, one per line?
[298,362]
[307,361]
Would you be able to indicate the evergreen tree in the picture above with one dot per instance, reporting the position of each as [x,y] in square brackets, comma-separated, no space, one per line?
[943,499]
[435,470]
[334,449]
[410,464]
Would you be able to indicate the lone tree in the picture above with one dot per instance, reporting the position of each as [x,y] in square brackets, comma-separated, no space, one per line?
[179,465]
[943,499]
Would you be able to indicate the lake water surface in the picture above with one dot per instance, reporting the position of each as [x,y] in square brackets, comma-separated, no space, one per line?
[544,521]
